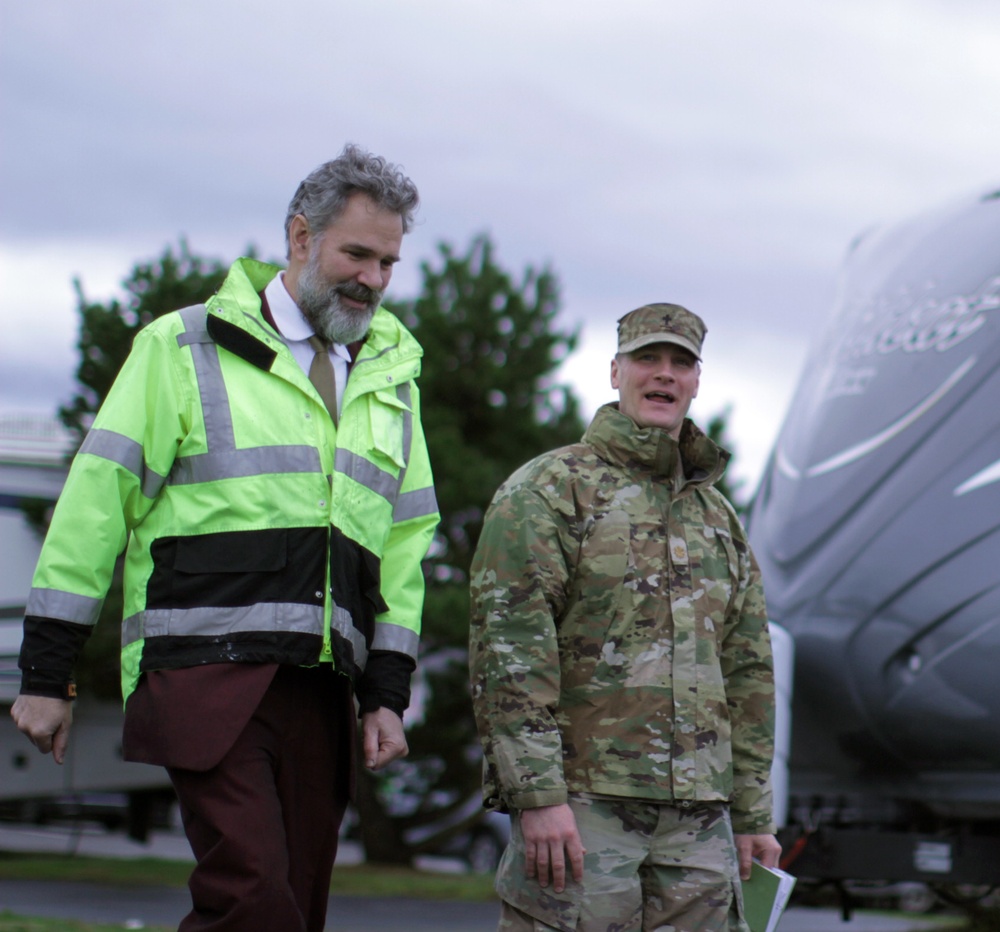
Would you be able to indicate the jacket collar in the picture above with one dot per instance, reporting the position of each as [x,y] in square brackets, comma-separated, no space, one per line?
[236,323]
[617,438]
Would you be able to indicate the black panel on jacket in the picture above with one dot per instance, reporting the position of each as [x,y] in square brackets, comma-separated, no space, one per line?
[238,341]
[355,577]
[172,652]
[234,568]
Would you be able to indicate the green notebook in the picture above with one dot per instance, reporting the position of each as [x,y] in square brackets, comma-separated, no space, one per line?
[765,896]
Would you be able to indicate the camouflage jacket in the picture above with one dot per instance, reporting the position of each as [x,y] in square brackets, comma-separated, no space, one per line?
[619,641]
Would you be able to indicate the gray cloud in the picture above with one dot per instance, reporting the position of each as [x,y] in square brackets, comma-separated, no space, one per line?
[719,154]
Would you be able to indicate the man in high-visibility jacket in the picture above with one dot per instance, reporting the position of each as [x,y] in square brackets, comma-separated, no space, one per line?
[261,461]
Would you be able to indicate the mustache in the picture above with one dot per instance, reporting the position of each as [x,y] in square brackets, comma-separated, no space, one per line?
[358,292]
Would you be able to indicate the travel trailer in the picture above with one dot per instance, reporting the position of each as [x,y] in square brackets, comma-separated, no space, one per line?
[877,528]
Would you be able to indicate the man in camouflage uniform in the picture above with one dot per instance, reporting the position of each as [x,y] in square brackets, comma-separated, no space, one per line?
[621,664]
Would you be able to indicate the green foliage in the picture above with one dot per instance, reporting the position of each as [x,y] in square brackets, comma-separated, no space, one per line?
[729,487]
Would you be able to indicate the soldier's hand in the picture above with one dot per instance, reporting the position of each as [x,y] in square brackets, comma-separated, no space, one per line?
[764,848]
[384,739]
[45,721]
[550,839]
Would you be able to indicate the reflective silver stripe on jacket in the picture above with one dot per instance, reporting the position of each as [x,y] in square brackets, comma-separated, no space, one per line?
[219,462]
[252,461]
[65,606]
[403,394]
[211,385]
[416,504]
[214,621]
[341,622]
[271,617]
[395,637]
[127,453]
[366,473]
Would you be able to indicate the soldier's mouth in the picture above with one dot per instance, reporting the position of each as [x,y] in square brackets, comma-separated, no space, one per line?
[661,397]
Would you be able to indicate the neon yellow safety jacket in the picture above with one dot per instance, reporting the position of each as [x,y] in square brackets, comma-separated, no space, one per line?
[255,530]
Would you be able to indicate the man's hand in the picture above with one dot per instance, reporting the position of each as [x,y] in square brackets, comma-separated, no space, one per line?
[550,838]
[46,722]
[764,848]
[384,739]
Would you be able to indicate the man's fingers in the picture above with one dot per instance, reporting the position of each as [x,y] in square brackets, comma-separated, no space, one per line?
[558,864]
[60,741]
[576,854]
[542,864]
[370,747]
[530,861]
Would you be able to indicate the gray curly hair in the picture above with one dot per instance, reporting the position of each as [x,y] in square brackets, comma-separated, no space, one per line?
[323,195]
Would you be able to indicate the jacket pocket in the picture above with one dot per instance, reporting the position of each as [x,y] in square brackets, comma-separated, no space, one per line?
[238,568]
[388,416]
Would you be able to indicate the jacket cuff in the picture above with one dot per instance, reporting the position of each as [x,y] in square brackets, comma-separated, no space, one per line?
[47,685]
[386,682]
[752,807]
[748,825]
[49,650]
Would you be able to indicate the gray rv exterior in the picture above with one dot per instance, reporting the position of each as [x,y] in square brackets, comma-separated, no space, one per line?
[877,527]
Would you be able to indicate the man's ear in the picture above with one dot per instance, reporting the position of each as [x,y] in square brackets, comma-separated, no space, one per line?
[614,372]
[299,238]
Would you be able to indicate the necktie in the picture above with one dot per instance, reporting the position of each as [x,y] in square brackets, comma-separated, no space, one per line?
[322,376]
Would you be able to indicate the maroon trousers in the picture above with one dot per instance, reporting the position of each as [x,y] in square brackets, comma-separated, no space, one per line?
[263,821]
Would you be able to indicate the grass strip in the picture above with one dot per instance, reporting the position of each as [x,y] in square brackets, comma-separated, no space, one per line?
[351,880]
[10,922]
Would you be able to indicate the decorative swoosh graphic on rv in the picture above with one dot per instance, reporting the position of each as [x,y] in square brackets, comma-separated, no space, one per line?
[984,477]
[854,453]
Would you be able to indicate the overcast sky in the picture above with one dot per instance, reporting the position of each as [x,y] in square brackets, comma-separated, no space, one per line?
[719,154]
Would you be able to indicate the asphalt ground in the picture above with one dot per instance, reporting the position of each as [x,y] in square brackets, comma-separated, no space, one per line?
[137,907]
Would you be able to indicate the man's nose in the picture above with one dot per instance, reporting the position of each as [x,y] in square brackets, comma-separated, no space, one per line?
[372,275]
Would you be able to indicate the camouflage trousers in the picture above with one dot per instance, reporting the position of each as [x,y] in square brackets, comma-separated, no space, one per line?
[648,866]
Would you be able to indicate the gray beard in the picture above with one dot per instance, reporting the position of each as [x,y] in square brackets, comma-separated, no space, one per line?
[322,305]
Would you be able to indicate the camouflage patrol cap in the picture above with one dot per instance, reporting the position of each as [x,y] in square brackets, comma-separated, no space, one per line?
[661,323]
